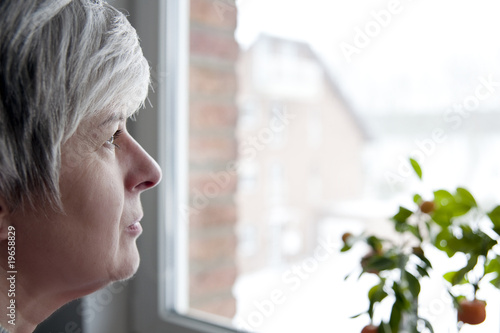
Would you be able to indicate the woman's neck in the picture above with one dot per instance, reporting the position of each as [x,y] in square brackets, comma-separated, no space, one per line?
[26,303]
[17,318]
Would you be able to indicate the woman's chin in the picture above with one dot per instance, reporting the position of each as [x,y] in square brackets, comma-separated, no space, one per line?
[128,268]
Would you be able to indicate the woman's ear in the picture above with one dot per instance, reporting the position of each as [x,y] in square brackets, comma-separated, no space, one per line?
[4,222]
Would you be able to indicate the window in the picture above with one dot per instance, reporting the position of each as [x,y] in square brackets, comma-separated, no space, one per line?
[298,133]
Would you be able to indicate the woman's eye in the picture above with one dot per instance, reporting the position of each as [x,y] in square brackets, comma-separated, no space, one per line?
[112,140]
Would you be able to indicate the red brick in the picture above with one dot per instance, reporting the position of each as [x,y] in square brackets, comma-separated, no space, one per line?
[214,215]
[211,82]
[212,115]
[214,13]
[214,184]
[213,120]
[206,149]
[214,45]
[212,248]
[214,281]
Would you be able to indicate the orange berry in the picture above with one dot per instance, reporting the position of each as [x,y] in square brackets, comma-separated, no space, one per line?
[370,329]
[427,207]
[346,236]
[471,312]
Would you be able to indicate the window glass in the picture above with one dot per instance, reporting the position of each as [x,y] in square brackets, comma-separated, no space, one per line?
[302,117]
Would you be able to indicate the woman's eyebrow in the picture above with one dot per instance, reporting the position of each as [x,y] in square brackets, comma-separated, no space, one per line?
[115,117]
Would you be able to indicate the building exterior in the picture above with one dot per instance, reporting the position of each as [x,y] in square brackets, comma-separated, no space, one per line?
[300,149]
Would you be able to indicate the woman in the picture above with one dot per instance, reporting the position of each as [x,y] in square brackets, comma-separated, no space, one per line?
[71,73]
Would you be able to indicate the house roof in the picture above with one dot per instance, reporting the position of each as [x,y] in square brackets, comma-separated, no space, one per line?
[332,83]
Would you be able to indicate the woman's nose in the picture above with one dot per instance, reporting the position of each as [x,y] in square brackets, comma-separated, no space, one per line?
[142,170]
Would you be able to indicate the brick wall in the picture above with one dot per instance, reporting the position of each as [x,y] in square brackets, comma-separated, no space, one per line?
[213,146]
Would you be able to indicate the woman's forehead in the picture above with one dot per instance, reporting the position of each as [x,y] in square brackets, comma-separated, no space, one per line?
[104,118]
[111,118]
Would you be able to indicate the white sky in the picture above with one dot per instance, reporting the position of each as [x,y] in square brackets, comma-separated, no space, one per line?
[428,57]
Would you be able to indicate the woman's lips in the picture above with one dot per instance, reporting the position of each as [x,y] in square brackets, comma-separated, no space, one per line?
[135,228]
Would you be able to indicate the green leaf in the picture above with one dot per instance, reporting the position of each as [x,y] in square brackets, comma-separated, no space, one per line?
[473,242]
[415,231]
[416,167]
[443,198]
[413,284]
[396,315]
[385,328]
[492,266]
[378,263]
[358,315]
[442,241]
[465,197]
[459,209]
[401,227]
[345,248]
[449,206]
[417,198]
[401,300]
[494,216]
[401,224]
[443,217]
[375,243]
[425,263]
[496,282]
[375,295]
[445,208]
[458,277]
[450,276]
[422,271]
[402,215]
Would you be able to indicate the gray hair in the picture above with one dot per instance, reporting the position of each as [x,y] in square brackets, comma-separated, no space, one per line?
[60,62]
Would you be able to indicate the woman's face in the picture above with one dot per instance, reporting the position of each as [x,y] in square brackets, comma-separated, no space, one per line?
[103,172]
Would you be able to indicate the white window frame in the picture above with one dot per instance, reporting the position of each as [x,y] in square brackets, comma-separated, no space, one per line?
[159,287]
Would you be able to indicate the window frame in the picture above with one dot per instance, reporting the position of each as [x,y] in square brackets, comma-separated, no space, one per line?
[163,27]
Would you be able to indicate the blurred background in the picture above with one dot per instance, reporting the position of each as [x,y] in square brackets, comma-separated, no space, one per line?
[300,118]
[329,99]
